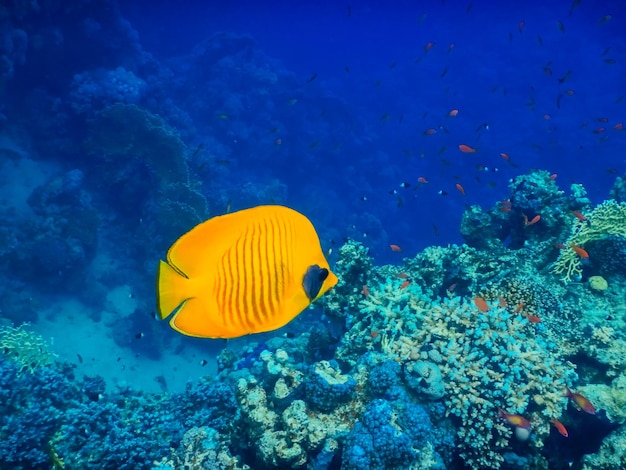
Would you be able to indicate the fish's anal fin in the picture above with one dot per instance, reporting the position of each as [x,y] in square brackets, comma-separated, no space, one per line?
[194,318]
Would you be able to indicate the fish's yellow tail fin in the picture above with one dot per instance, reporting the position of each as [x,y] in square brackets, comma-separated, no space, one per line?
[172,289]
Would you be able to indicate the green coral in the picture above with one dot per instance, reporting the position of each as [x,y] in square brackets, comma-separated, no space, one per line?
[27,348]
[607,219]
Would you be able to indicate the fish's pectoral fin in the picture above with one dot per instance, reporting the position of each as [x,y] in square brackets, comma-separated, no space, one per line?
[313,281]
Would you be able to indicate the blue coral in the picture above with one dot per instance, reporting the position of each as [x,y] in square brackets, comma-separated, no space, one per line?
[326,387]
[390,435]
[126,434]
[375,443]
[382,377]
[206,402]
[31,409]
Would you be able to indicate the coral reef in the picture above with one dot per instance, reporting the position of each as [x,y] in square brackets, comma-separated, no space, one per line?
[25,348]
[606,220]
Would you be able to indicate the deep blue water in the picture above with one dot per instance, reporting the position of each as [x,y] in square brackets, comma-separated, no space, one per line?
[332,108]
[492,76]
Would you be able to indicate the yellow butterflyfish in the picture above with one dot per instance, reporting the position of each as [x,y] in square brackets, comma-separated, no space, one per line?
[245,272]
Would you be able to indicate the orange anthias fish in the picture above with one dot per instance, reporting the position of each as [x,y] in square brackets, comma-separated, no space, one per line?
[395,248]
[365,291]
[533,221]
[580,252]
[460,189]
[582,401]
[516,420]
[559,427]
[422,180]
[466,149]
[481,304]
[579,216]
[245,272]
[405,284]
[453,112]
[532,318]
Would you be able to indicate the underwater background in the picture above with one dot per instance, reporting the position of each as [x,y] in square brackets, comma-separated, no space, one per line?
[462,161]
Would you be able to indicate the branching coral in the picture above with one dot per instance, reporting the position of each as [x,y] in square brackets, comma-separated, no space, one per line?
[493,359]
[606,220]
[25,347]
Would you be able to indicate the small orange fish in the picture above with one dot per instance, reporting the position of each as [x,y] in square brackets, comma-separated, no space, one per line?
[619,126]
[502,302]
[516,420]
[559,427]
[582,401]
[365,291]
[453,112]
[505,206]
[430,131]
[395,248]
[580,252]
[460,189]
[570,92]
[579,216]
[466,149]
[451,287]
[422,180]
[533,221]
[599,130]
[521,26]
[428,46]
[374,334]
[405,284]
[402,276]
[481,304]
[505,156]
[547,116]
[532,318]
[519,307]
[552,177]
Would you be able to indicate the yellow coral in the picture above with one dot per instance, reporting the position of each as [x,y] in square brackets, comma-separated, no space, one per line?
[598,283]
[609,218]
[26,348]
